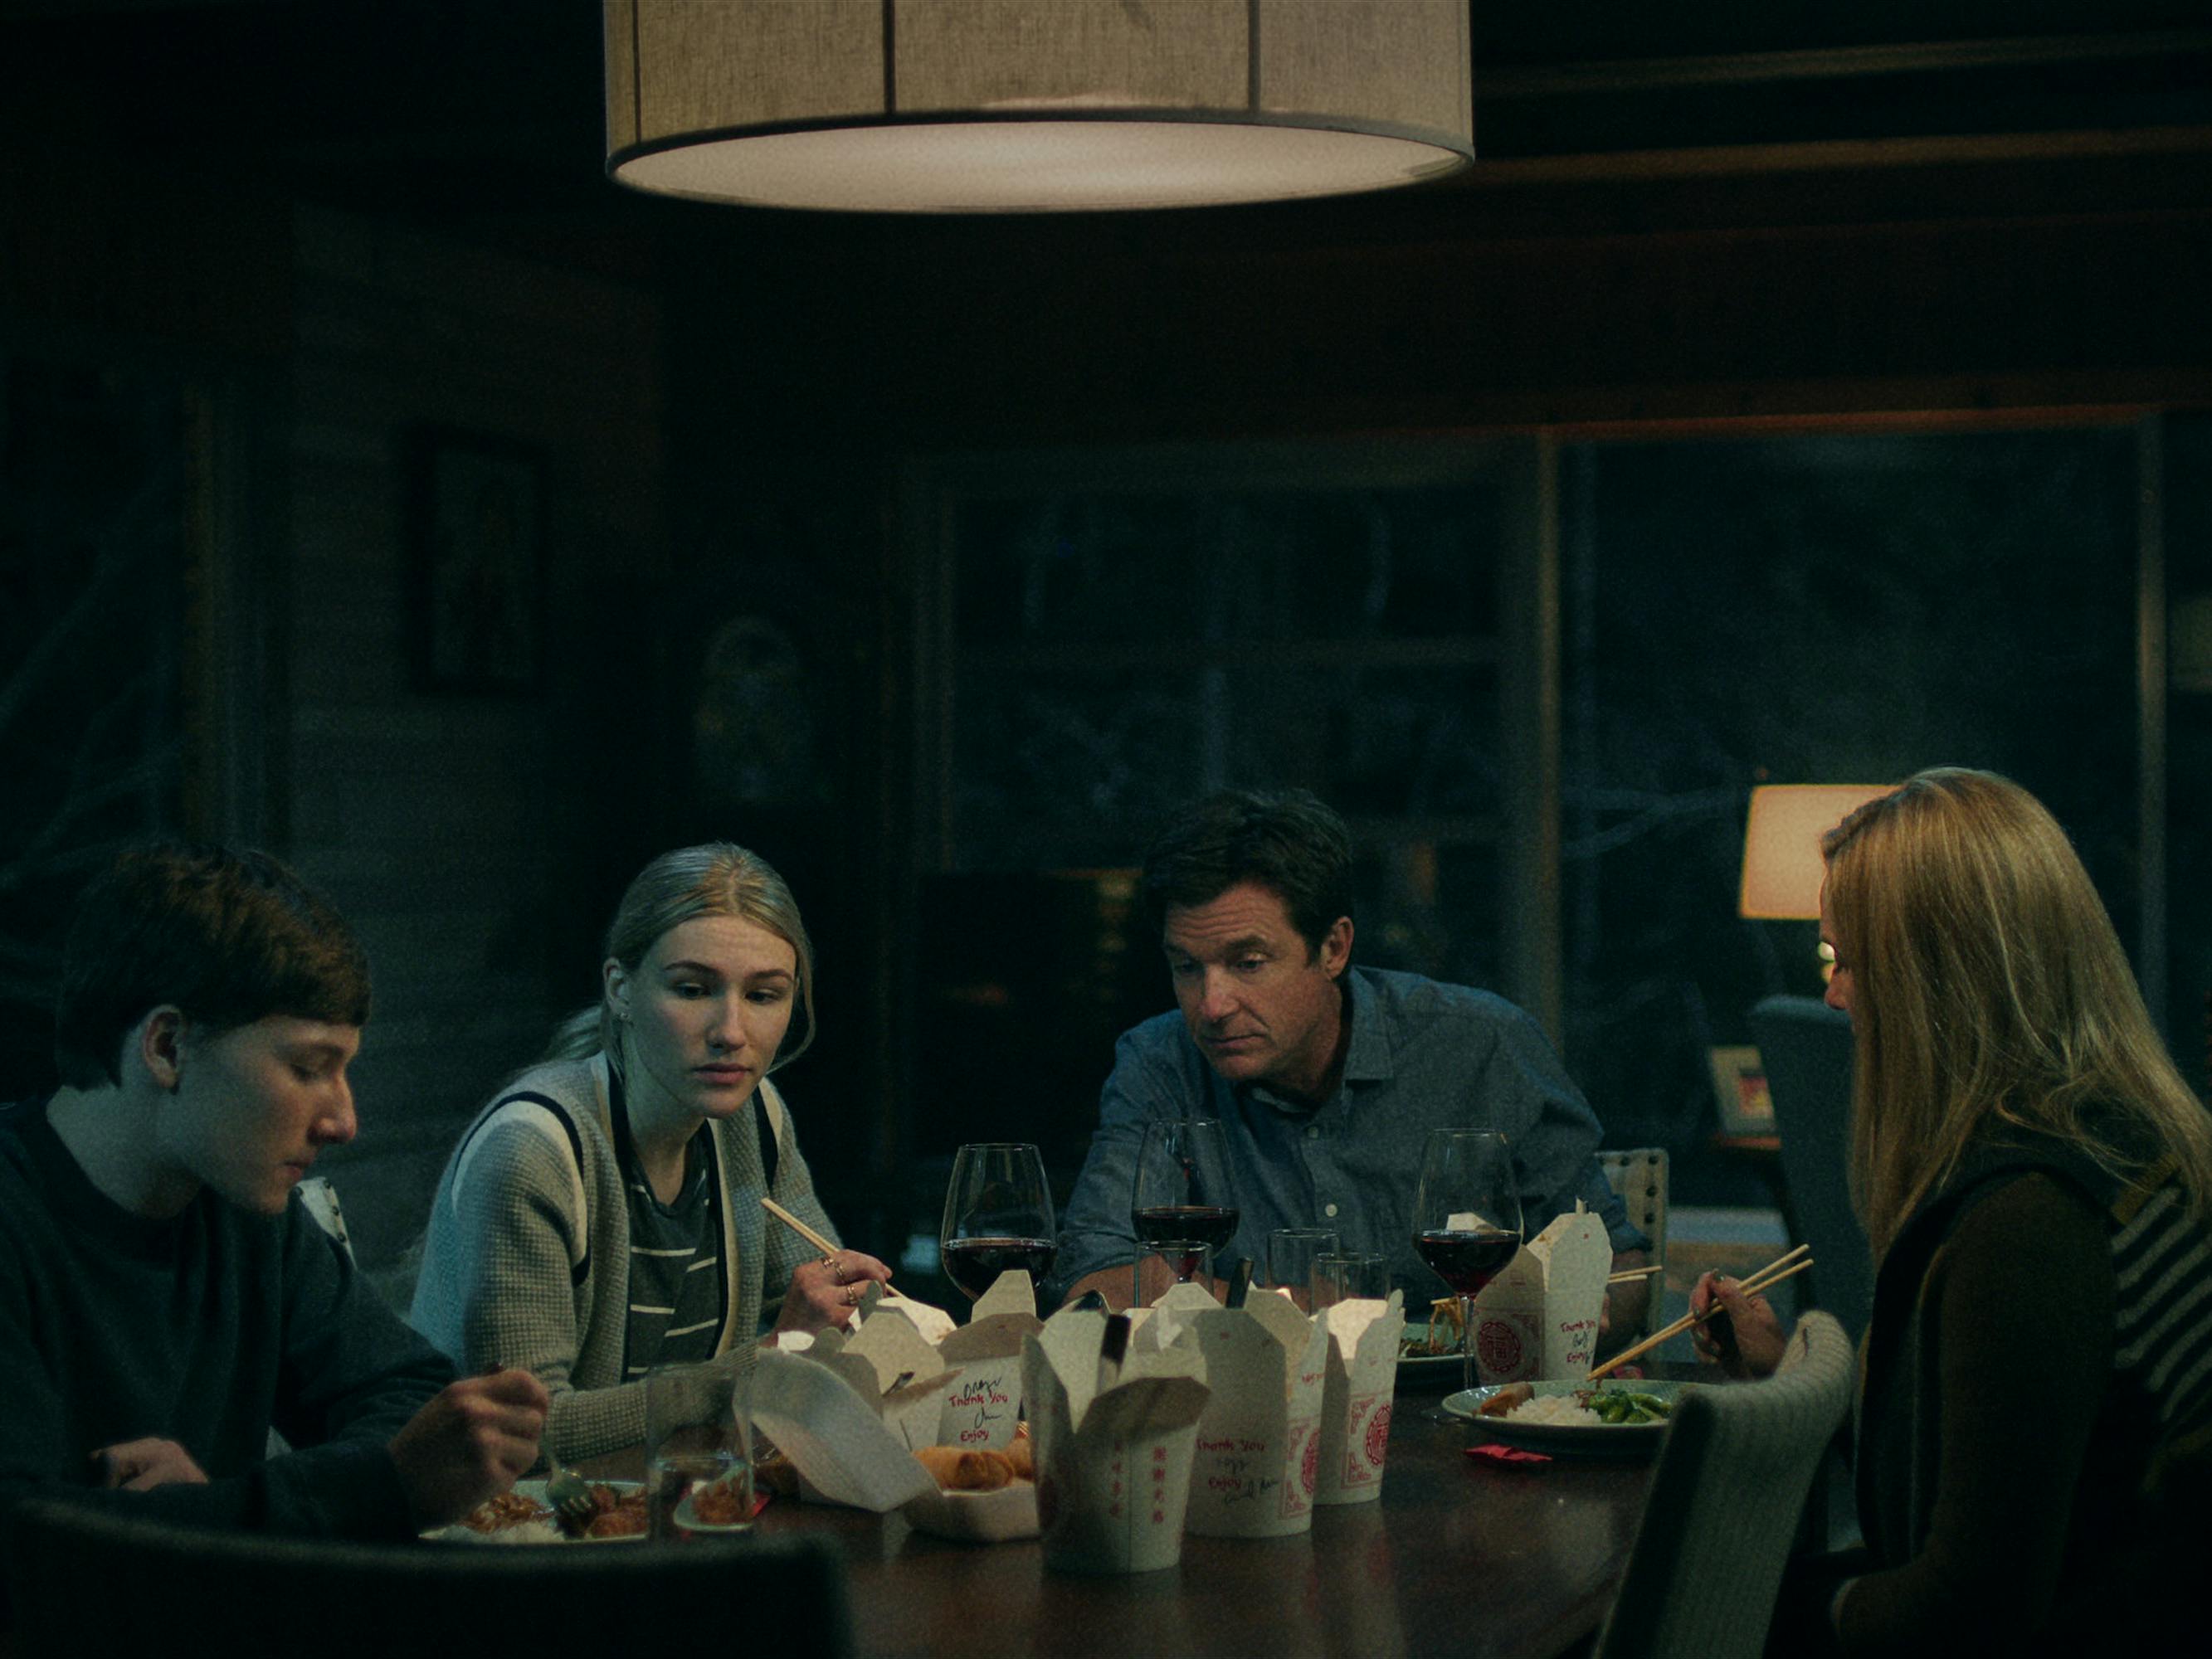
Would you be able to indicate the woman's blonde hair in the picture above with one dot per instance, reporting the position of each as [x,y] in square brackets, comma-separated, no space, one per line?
[1989,989]
[719,878]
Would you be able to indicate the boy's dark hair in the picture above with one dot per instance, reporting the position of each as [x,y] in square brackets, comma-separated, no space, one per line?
[228,938]
[1286,840]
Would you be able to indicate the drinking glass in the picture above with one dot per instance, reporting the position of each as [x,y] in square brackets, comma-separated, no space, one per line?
[1466,1218]
[1292,1253]
[1183,1207]
[698,1459]
[1351,1276]
[998,1217]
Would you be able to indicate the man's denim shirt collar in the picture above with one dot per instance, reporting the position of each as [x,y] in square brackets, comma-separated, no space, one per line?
[1367,1059]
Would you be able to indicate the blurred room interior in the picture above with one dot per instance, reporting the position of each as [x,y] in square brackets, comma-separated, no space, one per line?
[1785,395]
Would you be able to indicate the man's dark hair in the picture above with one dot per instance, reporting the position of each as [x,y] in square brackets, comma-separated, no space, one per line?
[228,938]
[1285,840]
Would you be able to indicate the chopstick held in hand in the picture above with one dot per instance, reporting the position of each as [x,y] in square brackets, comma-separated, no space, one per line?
[1773,1272]
[799,1227]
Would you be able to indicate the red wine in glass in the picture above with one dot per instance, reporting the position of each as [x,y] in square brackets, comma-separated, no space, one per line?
[1467,1220]
[998,1217]
[975,1264]
[1183,1205]
[1467,1262]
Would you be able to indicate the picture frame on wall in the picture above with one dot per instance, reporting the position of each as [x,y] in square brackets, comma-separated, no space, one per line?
[476,603]
[1739,1092]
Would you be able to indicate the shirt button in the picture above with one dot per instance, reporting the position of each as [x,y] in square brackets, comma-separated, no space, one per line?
[1313,1133]
[1328,1209]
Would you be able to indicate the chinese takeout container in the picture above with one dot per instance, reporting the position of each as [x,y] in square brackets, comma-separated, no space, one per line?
[1360,1381]
[1258,1446]
[1114,1444]
[980,1406]
[1537,1320]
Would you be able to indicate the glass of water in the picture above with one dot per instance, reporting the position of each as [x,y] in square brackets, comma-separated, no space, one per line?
[698,1452]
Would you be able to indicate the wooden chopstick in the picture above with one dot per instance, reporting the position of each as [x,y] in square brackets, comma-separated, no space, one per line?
[798,1227]
[1632,1274]
[1773,1273]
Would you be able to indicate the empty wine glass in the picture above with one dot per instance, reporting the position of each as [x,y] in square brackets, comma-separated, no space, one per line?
[998,1217]
[1466,1219]
[1182,1207]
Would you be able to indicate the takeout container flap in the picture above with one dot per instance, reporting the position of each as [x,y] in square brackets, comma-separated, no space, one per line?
[1258,1446]
[894,1346]
[933,1322]
[837,1439]
[1537,1320]
[1358,1397]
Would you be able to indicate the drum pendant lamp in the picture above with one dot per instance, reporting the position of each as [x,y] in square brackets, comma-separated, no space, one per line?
[1034,106]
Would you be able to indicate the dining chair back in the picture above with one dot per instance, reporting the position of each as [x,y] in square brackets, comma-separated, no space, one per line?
[1805,1047]
[1738,1462]
[88,1579]
[1639,1175]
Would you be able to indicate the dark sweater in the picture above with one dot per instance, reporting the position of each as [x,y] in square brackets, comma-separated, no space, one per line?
[2032,1421]
[207,1330]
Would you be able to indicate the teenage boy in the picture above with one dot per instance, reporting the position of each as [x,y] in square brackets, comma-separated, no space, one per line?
[163,1302]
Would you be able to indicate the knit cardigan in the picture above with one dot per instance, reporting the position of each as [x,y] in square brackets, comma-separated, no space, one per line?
[526,1260]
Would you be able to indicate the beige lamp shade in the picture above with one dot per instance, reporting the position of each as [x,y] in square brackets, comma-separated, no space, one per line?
[1781,864]
[1034,106]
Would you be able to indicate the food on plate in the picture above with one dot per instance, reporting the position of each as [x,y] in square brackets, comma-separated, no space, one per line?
[1586,1408]
[1442,1335]
[614,1514]
[508,1509]
[955,1470]
[720,1503]
[1506,1400]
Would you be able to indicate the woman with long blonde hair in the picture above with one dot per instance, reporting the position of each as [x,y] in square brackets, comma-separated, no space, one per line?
[2035,1179]
[603,1214]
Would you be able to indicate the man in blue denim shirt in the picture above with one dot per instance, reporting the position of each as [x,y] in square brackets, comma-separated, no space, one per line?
[1326,1078]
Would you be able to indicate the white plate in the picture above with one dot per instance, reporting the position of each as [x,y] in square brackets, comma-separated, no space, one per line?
[687,1518]
[534,1532]
[1572,1439]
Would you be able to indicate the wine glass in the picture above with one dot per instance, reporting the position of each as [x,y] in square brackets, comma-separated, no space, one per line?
[1182,1206]
[1466,1219]
[998,1217]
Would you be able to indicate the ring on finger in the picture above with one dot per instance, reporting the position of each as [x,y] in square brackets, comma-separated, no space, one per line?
[852,1296]
[831,1262]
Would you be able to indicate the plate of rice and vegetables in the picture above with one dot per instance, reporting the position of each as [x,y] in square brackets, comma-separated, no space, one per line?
[1612,1419]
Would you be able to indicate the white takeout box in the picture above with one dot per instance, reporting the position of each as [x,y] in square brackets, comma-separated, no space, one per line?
[1361,1385]
[1537,1320]
[1258,1450]
[978,1408]
[1113,1462]
[825,1405]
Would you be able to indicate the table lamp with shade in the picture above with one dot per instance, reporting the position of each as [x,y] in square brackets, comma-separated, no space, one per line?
[1782,868]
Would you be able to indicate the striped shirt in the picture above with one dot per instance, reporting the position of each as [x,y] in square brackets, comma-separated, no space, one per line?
[2162,1266]
[677,1294]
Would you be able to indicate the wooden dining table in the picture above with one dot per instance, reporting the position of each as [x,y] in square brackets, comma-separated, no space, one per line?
[1461,1555]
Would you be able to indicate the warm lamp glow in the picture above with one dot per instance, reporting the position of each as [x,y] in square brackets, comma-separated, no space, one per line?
[1028,106]
[1781,864]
